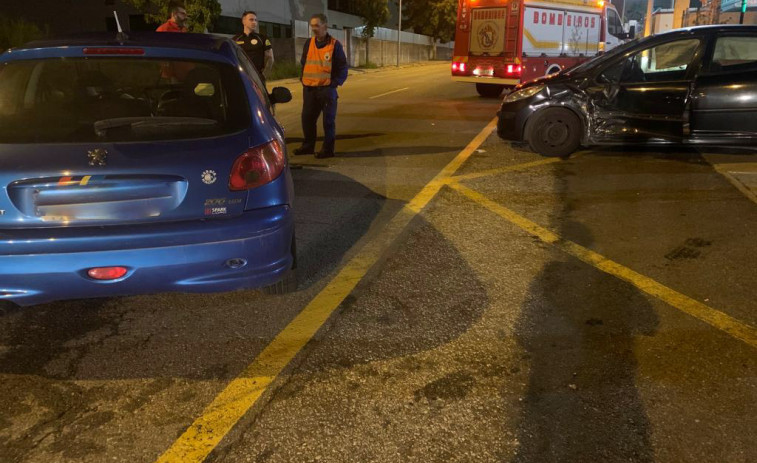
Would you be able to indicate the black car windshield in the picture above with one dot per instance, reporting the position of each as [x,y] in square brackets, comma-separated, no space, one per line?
[118,100]
[617,51]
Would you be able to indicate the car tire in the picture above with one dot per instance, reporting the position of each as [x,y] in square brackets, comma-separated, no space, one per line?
[288,283]
[554,132]
[489,90]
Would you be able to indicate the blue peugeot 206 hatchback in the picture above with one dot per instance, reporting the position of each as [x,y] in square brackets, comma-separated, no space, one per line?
[140,164]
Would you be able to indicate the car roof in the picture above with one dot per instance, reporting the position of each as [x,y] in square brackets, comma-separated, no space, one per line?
[709,29]
[204,42]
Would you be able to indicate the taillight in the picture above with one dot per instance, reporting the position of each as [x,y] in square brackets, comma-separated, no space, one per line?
[458,67]
[107,273]
[454,67]
[462,67]
[257,166]
[513,70]
[114,51]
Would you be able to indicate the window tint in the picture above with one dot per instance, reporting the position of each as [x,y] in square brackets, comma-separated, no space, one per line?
[664,62]
[734,53]
[118,99]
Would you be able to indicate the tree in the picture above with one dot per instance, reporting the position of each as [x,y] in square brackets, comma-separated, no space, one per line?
[435,18]
[374,14]
[17,31]
[202,13]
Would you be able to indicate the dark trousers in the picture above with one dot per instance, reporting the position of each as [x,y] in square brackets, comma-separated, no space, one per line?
[317,100]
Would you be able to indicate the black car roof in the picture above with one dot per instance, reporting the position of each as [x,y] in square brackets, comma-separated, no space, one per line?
[135,39]
[710,28]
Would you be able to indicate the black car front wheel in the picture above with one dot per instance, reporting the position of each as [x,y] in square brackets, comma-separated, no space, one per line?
[554,132]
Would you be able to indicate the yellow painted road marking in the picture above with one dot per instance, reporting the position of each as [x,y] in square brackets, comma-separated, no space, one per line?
[696,309]
[204,434]
[502,170]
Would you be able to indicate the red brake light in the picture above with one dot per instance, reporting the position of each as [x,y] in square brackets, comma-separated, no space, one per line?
[107,273]
[462,67]
[454,67]
[257,166]
[114,51]
[513,69]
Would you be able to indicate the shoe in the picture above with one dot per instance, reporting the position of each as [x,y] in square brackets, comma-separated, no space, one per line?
[324,154]
[302,151]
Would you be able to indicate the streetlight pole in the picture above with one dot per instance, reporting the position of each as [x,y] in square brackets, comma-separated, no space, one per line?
[399,34]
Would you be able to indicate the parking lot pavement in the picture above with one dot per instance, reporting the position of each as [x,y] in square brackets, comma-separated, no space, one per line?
[740,169]
[464,300]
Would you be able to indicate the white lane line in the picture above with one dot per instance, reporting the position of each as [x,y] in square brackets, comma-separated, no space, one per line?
[389,93]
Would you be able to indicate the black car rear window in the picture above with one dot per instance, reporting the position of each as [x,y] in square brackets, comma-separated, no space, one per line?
[118,100]
[735,53]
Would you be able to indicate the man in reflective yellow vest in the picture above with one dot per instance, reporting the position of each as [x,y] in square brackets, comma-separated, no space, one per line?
[324,68]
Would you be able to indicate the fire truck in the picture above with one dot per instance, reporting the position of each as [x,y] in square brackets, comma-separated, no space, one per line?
[500,43]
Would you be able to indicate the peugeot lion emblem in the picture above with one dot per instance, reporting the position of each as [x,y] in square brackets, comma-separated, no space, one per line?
[97,157]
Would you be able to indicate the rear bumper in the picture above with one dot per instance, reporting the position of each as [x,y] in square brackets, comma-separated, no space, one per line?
[486,80]
[265,246]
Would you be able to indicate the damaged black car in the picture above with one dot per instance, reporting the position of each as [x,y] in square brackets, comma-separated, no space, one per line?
[694,86]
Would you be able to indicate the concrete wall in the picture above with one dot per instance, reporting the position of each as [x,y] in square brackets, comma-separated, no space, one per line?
[384,52]
[750,17]
[270,11]
[382,48]
[662,21]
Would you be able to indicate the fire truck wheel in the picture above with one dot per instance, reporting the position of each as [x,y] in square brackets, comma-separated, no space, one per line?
[554,132]
[489,90]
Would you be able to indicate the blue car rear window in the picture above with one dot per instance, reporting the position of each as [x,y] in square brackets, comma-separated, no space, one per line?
[118,100]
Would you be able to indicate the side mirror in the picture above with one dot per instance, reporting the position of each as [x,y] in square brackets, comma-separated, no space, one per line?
[280,95]
[632,32]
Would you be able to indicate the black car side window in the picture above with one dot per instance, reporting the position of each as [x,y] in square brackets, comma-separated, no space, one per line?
[661,63]
[736,53]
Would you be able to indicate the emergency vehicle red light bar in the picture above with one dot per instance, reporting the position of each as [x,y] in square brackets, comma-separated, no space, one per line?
[114,51]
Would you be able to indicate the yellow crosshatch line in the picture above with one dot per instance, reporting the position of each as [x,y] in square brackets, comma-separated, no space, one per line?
[218,418]
[696,309]
[236,399]
[502,170]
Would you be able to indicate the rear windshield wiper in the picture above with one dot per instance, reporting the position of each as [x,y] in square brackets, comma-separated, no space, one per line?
[151,124]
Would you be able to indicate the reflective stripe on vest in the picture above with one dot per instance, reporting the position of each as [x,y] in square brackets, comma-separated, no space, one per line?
[317,71]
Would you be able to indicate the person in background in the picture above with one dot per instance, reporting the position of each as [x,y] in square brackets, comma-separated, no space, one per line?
[256,46]
[324,68]
[175,71]
[177,22]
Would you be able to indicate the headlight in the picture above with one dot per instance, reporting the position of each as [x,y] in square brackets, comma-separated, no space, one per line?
[525,93]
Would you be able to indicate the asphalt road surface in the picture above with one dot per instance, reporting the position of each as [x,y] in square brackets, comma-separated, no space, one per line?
[461,300]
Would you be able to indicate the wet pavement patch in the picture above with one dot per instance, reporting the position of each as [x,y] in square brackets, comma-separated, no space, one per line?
[689,250]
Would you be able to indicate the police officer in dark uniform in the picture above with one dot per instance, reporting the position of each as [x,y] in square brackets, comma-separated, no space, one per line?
[256,46]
